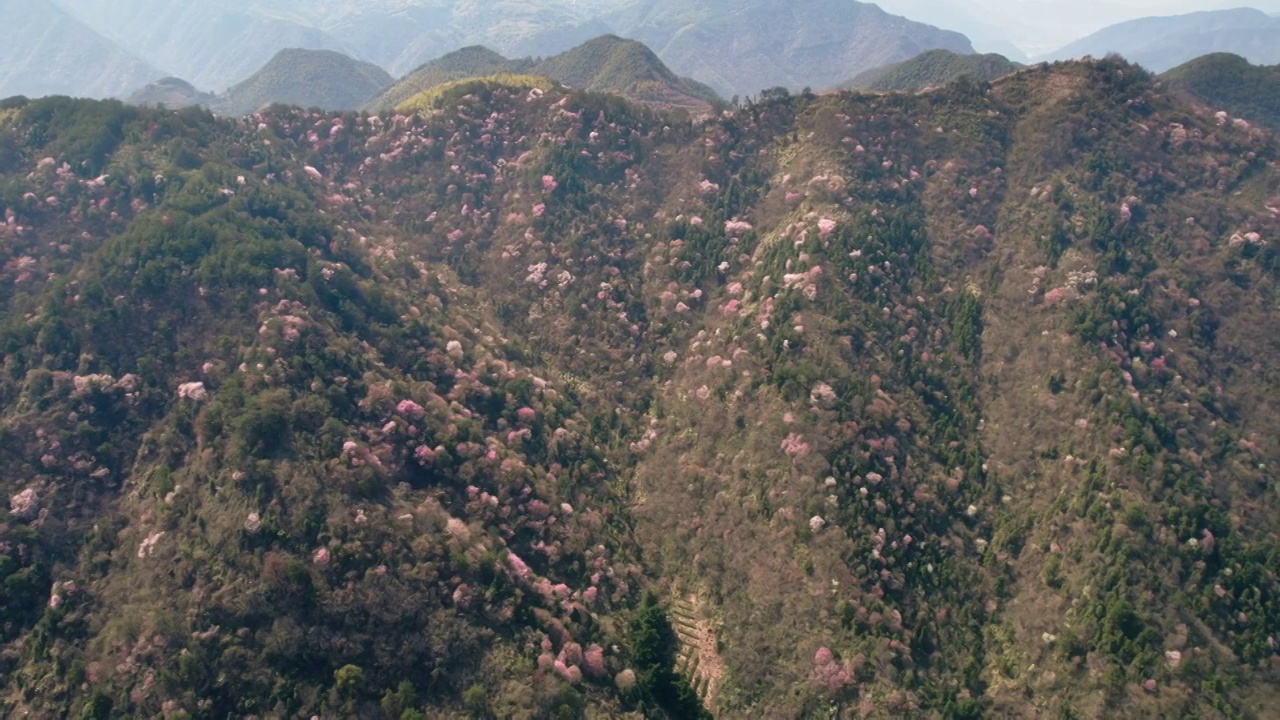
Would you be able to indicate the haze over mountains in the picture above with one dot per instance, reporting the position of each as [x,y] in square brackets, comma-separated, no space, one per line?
[737,48]
[1160,43]
[48,52]
[214,44]
[744,47]
[332,81]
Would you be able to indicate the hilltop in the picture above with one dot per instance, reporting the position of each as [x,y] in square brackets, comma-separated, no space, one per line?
[550,404]
[1230,82]
[933,69]
[604,64]
[173,93]
[613,65]
[469,62]
[49,52]
[307,78]
[1161,43]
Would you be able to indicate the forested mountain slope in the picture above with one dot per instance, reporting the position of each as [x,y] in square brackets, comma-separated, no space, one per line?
[1230,82]
[547,405]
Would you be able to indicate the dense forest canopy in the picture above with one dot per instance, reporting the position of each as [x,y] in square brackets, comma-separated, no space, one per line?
[541,403]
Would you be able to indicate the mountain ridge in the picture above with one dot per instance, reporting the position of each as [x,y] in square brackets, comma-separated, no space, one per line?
[53,53]
[744,49]
[1160,43]
[605,64]
[215,45]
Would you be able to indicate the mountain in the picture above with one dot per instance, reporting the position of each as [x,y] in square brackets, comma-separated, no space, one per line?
[516,29]
[1229,82]
[473,61]
[173,93]
[217,43]
[736,48]
[1161,43]
[308,78]
[611,64]
[48,52]
[933,69]
[741,48]
[951,404]
[214,44]
[986,27]
[605,64]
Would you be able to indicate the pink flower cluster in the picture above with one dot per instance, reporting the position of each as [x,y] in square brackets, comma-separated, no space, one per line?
[828,674]
[410,410]
[795,446]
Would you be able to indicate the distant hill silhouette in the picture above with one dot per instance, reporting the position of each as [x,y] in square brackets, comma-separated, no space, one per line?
[308,78]
[932,69]
[1161,43]
[171,92]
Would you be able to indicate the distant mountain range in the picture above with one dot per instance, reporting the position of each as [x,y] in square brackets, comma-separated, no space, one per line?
[47,51]
[307,78]
[604,64]
[1228,82]
[963,16]
[105,48]
[1161,43]
[744,47]
[211,43]
[736,48]
[932,69]
[332,81]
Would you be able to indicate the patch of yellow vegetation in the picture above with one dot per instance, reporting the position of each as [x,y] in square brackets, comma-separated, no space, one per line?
[430,99]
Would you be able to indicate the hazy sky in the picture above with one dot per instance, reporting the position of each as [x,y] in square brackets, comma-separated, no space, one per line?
[1040,26]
